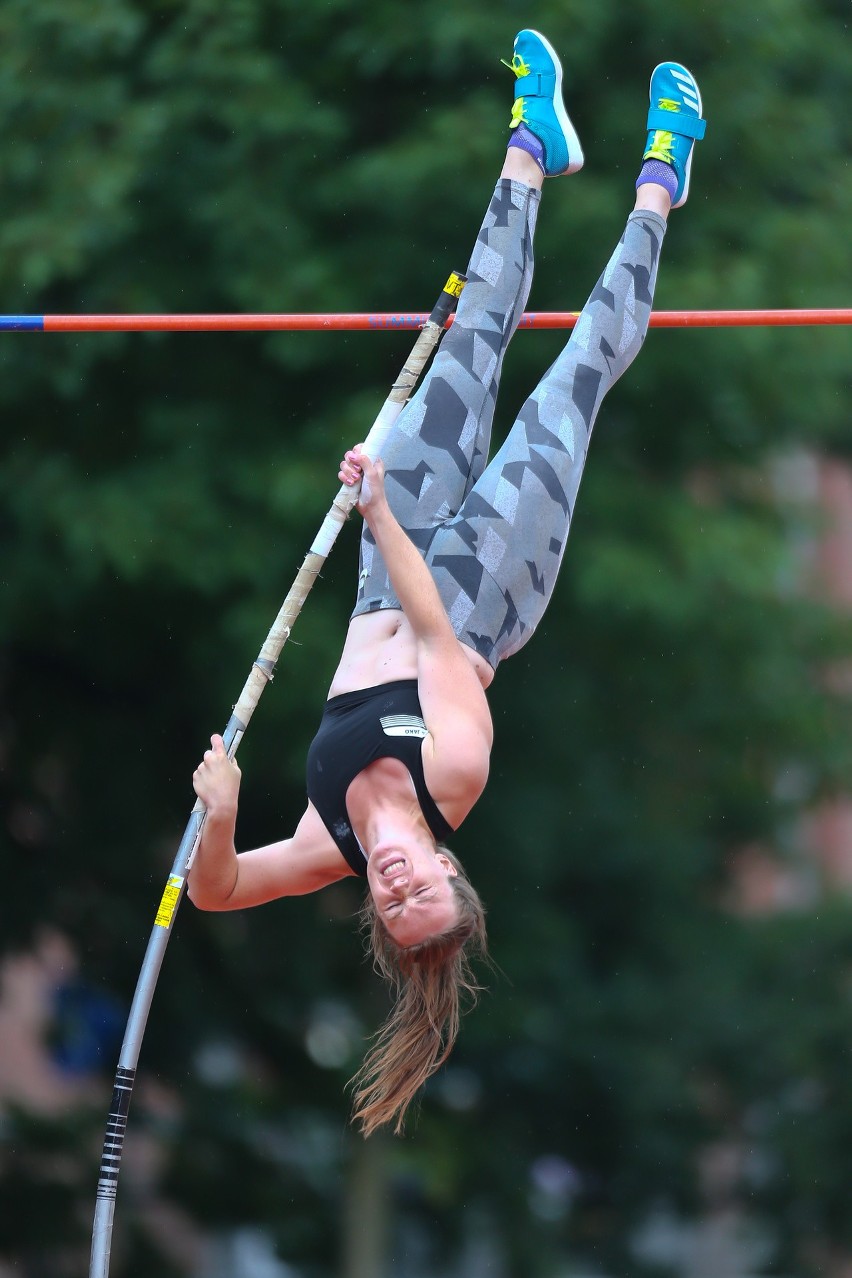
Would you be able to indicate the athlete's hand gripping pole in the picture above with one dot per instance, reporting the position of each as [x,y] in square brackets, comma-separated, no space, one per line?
[261,674]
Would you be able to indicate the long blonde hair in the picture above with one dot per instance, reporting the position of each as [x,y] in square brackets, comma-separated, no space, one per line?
[429,982]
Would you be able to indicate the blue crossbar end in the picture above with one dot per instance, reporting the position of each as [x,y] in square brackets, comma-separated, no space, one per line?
[24,323]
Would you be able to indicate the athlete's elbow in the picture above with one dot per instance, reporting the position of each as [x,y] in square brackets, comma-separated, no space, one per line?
[199,899]
[206,898]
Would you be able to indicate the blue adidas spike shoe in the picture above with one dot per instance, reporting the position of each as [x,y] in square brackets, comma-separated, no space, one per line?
[539,105]
[675,123]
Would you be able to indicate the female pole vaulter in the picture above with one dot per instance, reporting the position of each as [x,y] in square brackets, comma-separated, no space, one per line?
[459,558]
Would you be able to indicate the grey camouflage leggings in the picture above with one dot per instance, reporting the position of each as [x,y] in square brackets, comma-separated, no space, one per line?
[493,535]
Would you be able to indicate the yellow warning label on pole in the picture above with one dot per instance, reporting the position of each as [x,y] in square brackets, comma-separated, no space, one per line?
[169,901]
[454,285]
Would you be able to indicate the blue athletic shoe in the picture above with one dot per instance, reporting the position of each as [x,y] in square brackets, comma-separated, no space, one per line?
[674,122]
[539,105]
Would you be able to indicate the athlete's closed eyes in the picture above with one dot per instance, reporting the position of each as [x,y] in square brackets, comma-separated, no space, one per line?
[422,894]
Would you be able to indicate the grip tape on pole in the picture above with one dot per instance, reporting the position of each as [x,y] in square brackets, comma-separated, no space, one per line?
[116,1127]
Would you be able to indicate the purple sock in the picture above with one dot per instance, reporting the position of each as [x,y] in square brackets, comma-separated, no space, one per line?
[525,140]
[660,173]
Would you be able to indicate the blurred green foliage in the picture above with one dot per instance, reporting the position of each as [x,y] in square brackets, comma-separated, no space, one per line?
[157,494]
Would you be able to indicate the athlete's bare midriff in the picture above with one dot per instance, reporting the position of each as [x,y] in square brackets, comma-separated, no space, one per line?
[380,648]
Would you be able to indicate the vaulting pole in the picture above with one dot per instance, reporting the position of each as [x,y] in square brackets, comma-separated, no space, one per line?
[390,320]
[261,674]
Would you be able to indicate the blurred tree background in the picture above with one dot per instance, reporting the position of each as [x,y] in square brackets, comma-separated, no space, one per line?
[651,1062]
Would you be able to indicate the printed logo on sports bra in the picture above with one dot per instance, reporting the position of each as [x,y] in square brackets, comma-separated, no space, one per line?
[403,725]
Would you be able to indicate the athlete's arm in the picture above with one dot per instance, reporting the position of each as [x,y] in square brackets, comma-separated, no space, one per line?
[223,879]
[454,705]
[411,579]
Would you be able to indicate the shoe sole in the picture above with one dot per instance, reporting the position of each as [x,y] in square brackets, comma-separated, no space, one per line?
[568,130]
[687,171]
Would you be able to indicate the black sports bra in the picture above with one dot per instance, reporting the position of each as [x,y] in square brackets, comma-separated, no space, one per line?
[356,729]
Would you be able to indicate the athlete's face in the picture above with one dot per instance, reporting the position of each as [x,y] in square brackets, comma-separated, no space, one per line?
[412,890]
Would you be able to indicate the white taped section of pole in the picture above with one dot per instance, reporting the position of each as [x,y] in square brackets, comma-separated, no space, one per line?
[340,510]
[347,498]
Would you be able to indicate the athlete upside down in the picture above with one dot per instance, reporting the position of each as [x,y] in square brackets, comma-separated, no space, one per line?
[459,559]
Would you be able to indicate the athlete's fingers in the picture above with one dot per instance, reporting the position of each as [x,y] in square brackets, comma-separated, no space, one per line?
[350,468]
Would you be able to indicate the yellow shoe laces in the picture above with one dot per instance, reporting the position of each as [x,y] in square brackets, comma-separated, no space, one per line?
[517,65]
[661,147]
[662,143]
[520,68]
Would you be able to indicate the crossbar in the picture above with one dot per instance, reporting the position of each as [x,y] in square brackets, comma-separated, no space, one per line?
[390,321]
